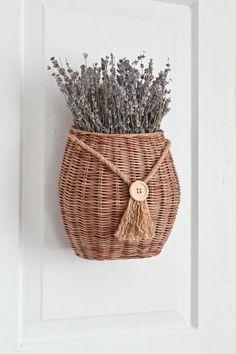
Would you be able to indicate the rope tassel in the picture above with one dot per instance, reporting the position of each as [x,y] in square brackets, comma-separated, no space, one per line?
[136,223]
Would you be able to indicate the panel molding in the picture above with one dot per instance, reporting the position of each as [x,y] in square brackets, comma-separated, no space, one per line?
[34,330]
[125,326]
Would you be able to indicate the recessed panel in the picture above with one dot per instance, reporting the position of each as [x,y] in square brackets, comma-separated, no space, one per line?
[74,287]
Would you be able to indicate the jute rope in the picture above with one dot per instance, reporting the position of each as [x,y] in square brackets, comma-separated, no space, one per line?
[101,158]
[136,223]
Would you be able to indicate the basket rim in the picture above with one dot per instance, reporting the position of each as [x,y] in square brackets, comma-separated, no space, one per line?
[123,135]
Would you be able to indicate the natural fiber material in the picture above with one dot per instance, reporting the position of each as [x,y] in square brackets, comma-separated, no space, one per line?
[96,174]
[136,223]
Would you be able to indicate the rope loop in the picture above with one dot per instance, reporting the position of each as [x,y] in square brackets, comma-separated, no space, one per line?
[136,223]
[113,167]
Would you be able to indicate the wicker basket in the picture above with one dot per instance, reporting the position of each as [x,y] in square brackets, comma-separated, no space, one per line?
[93,199]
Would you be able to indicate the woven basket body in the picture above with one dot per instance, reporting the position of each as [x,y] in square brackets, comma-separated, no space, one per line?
[93,198]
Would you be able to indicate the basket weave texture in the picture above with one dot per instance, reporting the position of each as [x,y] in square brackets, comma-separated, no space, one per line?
[93,199]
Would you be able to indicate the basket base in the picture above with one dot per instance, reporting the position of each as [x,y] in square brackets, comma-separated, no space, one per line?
[113,258]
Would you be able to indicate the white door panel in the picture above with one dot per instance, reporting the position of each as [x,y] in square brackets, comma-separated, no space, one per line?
[181,301]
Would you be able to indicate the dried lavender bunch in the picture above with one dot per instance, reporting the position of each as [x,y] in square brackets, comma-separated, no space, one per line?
[114,98]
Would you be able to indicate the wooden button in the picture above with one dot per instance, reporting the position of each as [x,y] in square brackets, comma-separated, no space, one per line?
[138,190]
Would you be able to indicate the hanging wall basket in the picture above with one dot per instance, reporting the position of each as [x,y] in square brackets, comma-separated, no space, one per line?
[119,194]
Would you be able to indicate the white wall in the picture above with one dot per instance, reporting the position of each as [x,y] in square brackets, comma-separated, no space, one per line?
[53,302]
[9,175]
